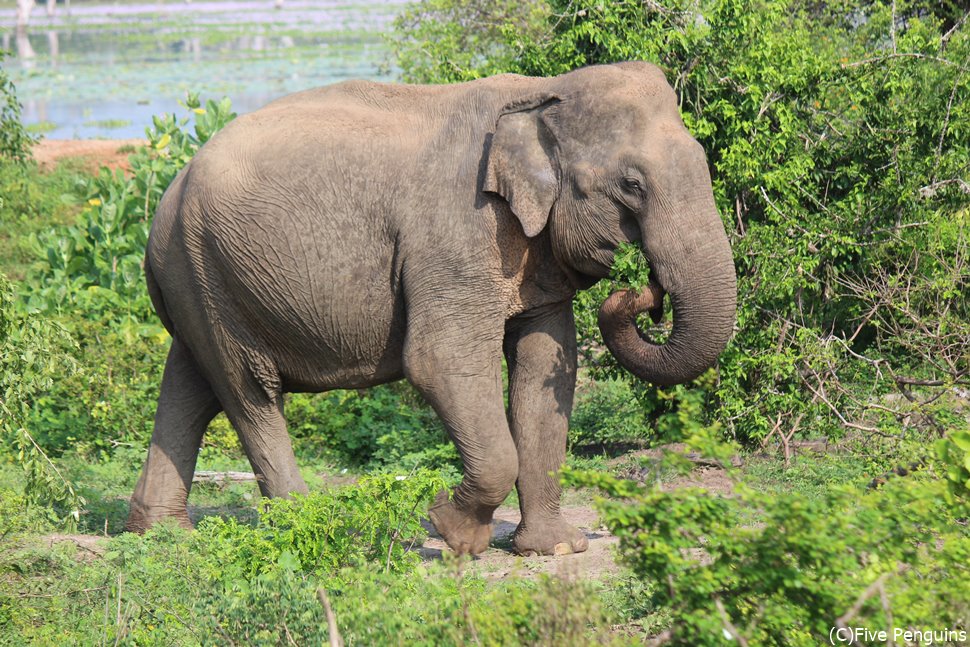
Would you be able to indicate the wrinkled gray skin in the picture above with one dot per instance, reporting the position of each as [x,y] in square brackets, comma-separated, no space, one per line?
[361,233]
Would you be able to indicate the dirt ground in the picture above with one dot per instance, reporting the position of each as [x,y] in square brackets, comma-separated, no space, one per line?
[596,563]
[94,153]
[498,562]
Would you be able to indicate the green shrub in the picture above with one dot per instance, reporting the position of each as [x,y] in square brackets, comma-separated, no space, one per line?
[109,402]
[18,514]
[15,141]
[93,268]
[472,33]
[782,569]
[230,583]
[221,441]
[155,595]
[606,413]
[441,605]
[250,582]
[325,531]
[387,427]
[954,455]
[90,280]
[131,588]
[34,353]
[31,201]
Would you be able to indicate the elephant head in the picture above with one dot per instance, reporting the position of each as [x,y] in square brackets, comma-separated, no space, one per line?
[600,156]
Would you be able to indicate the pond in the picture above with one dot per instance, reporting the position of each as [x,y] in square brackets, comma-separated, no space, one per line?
[102,70]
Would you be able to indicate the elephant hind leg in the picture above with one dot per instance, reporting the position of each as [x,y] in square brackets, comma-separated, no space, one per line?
[249,389]
[257,416]
[186,404]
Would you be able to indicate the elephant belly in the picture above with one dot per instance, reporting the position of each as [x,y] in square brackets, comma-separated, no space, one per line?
[336,341]
[325,369]
[326,309]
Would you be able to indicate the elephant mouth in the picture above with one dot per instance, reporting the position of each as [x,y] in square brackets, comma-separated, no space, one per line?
[578,280]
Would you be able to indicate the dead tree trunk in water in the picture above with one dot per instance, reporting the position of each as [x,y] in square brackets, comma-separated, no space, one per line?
[24,7]
[24,50]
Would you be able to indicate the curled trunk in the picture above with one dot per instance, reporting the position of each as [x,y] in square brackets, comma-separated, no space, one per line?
[703,295]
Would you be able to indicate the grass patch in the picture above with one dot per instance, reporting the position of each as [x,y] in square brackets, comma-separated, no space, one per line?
[33,201]
[41,127]
[107,124]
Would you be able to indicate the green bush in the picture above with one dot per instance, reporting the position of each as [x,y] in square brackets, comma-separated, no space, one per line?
[32,201]
[387,427]
[93,268]
[18,515]
[606,413]
[782,569]
[373,520]
[471,32]
[89,279]
[230,583]
[15,141]
[440,605]
[34,354]
[109,402]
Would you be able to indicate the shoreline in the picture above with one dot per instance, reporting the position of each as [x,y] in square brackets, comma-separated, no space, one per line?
[94,153]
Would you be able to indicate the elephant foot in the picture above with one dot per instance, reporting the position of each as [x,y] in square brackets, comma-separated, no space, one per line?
[141,517]
[552,537]
[465,533]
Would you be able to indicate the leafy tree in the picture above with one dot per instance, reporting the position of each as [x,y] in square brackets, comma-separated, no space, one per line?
[15,141]
[472,32]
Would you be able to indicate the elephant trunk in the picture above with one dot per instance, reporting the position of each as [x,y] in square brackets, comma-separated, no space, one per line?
[697,271]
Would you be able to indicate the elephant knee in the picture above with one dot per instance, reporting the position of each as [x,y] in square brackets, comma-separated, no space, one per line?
[491,480]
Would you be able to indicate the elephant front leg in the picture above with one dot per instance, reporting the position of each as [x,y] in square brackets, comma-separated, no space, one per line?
[541,353]
[461,377]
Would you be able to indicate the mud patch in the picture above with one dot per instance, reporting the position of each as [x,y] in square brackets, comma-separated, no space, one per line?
[93,153]
[714,480]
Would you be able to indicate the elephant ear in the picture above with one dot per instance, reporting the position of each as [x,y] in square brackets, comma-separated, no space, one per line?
[521,164]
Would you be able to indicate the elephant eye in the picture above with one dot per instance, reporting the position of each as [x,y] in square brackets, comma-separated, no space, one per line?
[632,184]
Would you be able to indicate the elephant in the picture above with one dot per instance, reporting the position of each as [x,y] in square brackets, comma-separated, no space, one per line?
[360,233]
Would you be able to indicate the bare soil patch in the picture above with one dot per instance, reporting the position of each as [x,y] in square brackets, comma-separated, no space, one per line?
[498,562]
[597,562]
[89,546]
[93,153]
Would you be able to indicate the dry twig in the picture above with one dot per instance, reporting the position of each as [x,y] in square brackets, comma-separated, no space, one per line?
[334,633]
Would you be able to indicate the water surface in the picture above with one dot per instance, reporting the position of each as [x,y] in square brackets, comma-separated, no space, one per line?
[102,70]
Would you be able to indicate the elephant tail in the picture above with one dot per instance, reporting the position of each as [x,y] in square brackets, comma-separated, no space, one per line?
[155,292]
